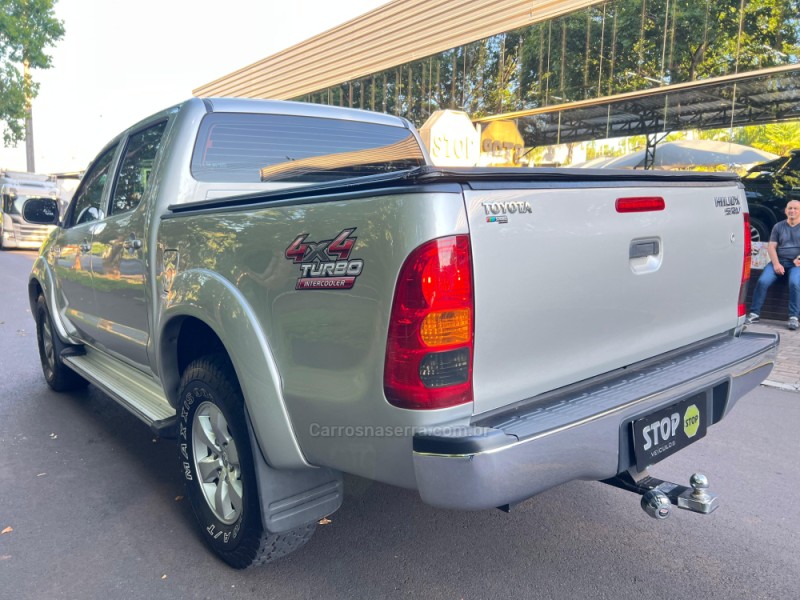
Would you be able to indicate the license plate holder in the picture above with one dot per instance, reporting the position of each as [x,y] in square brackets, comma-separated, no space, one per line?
[664,432]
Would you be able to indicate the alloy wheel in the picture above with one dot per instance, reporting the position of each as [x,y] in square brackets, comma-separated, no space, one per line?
[216,461]
[48,349]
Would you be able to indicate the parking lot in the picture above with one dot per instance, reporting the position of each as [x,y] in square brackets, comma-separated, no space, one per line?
[91,506]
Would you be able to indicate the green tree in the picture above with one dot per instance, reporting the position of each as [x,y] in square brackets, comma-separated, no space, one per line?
[28,28]
[777,138]
[608,48]
[781,137]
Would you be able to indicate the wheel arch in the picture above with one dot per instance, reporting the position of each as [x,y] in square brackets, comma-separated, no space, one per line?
[40,281]
[183,339]
[34,291]
[764,213]
[762,219]
[204,314]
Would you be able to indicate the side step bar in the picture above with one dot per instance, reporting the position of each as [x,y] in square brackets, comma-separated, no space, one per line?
[658,495]
[132,389]
[167,429]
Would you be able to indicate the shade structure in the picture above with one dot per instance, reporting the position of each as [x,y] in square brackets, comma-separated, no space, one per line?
[693,153]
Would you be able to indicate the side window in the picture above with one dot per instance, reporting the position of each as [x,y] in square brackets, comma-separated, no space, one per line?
[134,171]
[87,202]
[794,164]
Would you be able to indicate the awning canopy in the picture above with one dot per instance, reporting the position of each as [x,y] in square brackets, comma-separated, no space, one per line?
[766,96]
[692,153]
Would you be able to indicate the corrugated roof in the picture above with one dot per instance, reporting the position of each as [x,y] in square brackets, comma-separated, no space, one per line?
[395,33]
[757,97]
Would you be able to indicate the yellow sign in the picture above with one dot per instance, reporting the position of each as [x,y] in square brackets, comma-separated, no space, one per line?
[691,421]
[502,144]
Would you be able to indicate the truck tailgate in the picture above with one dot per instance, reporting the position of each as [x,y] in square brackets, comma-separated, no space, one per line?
[569,286]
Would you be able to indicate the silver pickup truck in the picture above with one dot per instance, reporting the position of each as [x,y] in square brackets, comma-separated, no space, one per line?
[293,292]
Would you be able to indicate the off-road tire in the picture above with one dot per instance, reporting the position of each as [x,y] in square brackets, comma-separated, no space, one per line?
[213,436]
[58,376]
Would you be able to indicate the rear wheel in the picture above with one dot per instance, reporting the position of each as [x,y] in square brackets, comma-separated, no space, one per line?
[217,464]
[759,232]
[58,376]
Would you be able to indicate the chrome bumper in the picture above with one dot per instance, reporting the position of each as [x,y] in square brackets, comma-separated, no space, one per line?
[582,432]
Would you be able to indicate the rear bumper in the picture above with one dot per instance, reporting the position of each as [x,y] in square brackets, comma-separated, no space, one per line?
[582,432]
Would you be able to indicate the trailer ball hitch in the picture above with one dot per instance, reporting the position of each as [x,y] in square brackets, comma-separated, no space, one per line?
[658,495]
[656,504]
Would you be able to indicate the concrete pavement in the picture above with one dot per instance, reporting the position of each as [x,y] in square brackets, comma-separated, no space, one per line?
[786,374]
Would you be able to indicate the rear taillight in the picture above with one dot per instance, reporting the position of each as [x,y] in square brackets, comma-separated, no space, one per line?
[430,345]
[748,254]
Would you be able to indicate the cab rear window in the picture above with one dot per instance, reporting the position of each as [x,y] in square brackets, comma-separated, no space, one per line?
[233,147]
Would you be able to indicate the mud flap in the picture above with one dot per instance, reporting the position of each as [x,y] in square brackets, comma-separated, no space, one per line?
[291,498]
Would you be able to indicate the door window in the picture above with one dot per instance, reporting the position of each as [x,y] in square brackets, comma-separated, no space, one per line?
[87,203]
[134,173]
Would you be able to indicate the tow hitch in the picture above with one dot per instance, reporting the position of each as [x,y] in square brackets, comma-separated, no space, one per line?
[658,495]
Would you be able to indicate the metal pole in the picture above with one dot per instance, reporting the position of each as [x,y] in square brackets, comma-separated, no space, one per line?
[29,153]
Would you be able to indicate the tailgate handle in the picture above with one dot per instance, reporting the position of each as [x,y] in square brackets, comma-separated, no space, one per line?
[642,248]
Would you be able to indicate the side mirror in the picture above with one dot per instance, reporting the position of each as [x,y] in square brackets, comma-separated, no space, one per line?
[40,211]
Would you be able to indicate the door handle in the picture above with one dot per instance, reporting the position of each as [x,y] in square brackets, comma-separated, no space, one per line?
[132,244]
[645,255]
[85,247]
[642,248]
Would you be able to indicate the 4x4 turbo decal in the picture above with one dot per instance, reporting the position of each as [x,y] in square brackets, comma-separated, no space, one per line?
[326,265]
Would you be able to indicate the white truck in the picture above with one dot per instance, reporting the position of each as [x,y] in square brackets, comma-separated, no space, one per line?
[293,293]
[15,190]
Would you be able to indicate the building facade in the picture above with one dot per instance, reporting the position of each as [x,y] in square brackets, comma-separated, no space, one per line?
[539,63]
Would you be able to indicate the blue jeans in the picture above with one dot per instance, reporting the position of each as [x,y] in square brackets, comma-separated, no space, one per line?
[768,277]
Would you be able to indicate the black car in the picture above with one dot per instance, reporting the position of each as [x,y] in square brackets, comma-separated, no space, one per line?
[769,186]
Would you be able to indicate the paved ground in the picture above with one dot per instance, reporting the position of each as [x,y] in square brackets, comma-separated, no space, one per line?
[786,374]
[92,506]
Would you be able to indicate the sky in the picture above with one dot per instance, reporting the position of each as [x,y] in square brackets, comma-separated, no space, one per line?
[119,62]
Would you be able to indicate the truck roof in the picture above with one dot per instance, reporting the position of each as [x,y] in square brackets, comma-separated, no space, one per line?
[23,178]
[252,105]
